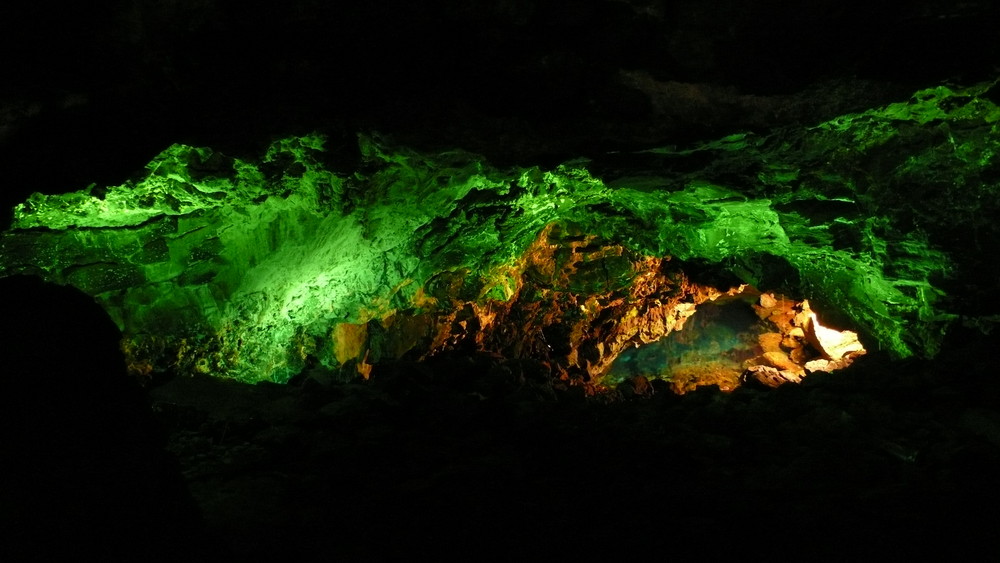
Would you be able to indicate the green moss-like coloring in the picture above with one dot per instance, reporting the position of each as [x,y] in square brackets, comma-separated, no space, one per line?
[242,268]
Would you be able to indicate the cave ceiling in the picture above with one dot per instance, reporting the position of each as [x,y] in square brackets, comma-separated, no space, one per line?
[253,193]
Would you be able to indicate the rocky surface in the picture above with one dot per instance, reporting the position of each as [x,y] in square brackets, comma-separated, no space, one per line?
[800,345]
[248,269]
[839,152]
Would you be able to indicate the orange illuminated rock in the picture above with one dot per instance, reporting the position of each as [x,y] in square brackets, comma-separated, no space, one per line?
[801,355]
[834,345]
[771,376]
[770,341]
[781,361]
[575,304]
[810,345]
[768,301]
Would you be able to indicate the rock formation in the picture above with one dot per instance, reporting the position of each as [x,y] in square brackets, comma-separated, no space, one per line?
[259,270]
[799,345]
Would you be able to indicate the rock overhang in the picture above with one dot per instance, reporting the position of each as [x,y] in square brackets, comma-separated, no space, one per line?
[251,269]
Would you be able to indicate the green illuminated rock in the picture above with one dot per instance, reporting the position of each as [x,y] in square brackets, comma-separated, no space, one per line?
[257,270]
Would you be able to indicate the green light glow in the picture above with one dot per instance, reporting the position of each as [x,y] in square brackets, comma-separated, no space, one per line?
[245,269]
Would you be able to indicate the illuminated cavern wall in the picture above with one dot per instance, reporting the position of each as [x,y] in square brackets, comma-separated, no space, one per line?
[256,270]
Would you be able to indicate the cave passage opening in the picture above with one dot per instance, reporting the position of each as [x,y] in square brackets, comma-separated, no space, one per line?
[712,348]
[755,336]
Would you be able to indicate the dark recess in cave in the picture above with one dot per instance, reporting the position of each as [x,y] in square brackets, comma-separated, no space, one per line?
[460,456]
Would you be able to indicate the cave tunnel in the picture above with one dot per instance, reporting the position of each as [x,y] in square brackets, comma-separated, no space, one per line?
[748,336]
[551,280]
[711,347]
[236,282]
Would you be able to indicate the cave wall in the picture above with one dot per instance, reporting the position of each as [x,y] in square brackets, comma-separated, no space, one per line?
[249,269]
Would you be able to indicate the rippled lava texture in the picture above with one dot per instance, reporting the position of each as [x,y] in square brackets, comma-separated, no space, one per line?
[257,270]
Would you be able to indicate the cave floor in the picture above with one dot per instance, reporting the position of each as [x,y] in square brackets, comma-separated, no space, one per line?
[432,460]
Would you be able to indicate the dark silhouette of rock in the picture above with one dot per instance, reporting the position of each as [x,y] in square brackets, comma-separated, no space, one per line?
[82,462]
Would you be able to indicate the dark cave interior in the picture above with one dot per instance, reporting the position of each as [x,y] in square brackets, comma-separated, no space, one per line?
[499,280]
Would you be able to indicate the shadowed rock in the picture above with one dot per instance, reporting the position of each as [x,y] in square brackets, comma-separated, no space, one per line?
[83,466]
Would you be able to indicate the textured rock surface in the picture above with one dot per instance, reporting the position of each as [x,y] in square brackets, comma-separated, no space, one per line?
[249,269]
[800,345]
[467,453]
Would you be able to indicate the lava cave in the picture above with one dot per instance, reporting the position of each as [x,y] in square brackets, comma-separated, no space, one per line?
[505,281]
